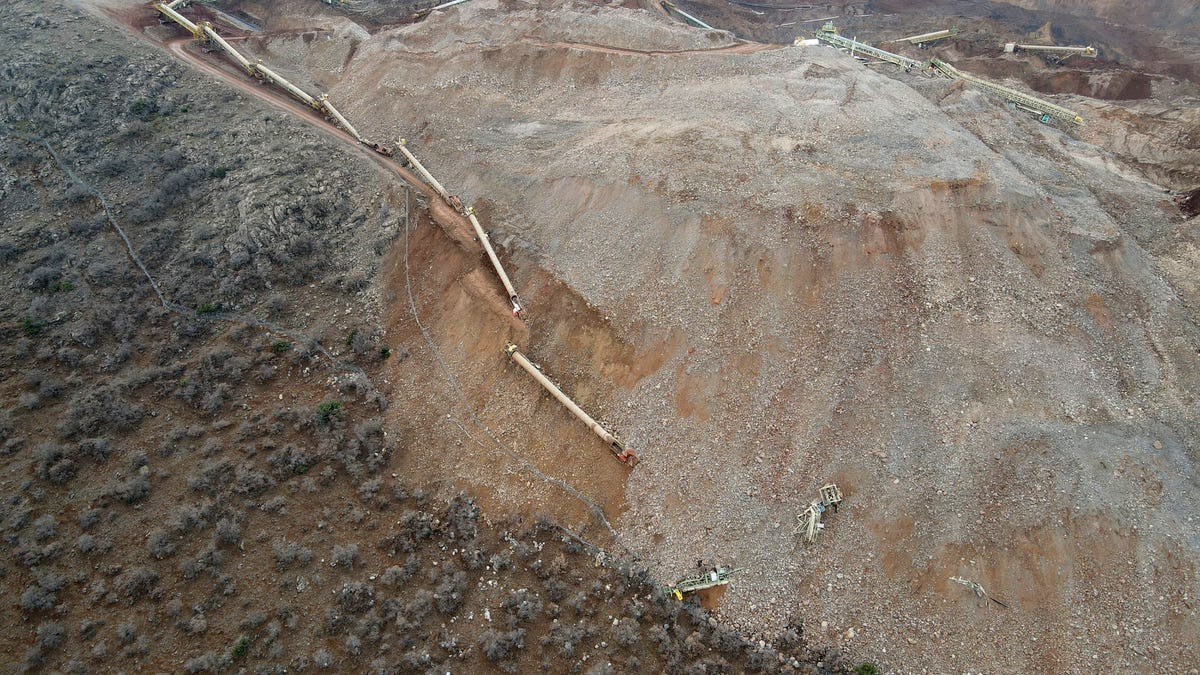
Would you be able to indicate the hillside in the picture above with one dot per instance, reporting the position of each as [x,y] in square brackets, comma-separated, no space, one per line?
[767,267]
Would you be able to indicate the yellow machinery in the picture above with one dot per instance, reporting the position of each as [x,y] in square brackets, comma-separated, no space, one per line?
[717,576]
[810,518]
[614,444]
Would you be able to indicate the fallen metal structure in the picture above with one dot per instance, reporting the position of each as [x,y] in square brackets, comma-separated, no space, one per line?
[828,33]
[717,576]
[484,239]
[925,39]
[614,444]
[421,13]
[810,518]
[204,32]
[1044,109]
[1088,52]
[480,233]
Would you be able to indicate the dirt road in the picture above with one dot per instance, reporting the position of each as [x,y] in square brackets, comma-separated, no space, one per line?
[133,18]
[741,48]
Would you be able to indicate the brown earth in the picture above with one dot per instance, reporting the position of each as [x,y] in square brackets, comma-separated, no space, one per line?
[984,329]
[838,281]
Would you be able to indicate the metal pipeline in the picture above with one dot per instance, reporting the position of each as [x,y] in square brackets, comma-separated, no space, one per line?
[614,444]
[342,121]
[178,18]
[275,78]
[1088,52]
[423,171]
[233,53]
[689,17]
[487,246]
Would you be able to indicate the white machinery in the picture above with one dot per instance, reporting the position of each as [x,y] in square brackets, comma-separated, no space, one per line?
[480,233]
[204,32]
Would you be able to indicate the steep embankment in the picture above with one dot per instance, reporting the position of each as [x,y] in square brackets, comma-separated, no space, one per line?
[775,269]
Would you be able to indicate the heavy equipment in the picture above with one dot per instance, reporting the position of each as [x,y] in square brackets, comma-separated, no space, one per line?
[614,444]
[1016,99]
[925,39]
[810,518]
[168,10]
[828,33]
[1054,52]
[717,576]
[484,239]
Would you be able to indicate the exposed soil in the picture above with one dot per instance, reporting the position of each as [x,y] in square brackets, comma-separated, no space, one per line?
[840,281]
[771,268]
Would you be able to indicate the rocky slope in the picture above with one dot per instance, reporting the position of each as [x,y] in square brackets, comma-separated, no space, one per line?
[775,269]
[197,471]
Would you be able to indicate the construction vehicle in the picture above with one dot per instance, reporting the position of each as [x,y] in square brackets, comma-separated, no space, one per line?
[1045,110]
[1054,52]
[614,444]
[828,33]
[717,576]
[925,39]
[810,518]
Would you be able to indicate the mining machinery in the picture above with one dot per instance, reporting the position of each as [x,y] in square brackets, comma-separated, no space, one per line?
[828,33]
[205,33]
[480,233]
[1054,52]
[925,39]
[1045,110]
[717,576]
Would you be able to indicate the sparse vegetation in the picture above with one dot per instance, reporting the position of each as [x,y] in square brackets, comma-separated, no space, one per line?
[240,648]
[327,410]
[190,475]
[31,327]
